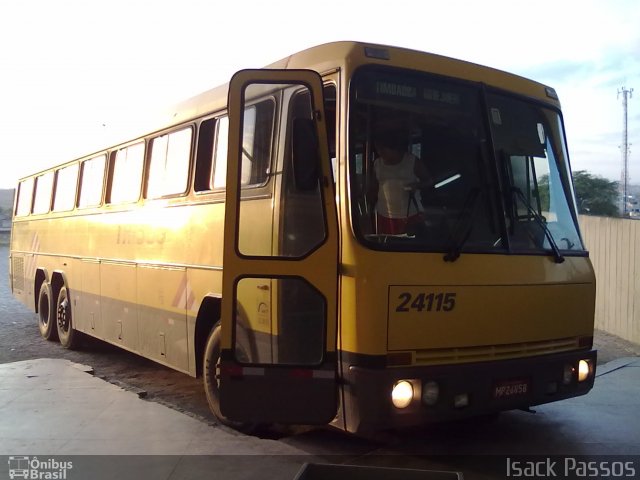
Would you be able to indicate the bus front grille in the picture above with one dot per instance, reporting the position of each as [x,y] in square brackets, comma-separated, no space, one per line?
[485,353]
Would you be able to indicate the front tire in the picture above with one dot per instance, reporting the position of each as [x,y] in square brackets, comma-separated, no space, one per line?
[69,337]
[211,382]
[46,316]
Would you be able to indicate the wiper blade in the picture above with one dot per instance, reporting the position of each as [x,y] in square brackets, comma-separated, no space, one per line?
[455,245]
[542,223]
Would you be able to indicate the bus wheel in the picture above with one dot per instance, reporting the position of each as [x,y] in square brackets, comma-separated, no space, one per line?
[46,317]
[64,321]
[212,383]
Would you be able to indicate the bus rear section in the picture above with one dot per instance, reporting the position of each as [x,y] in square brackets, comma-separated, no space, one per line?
[484,300]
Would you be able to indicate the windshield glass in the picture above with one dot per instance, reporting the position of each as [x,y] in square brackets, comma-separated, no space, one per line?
[434,169]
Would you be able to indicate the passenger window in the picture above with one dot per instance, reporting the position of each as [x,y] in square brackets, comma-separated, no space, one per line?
[169,167]
[211,161]
[66,183]
[211,165]
[204,155]
[25,197]
[92,182]
[44,186]
[127,174]
[222,144]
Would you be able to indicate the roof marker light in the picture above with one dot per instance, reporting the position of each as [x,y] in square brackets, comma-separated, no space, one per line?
[379,53]
[551,93]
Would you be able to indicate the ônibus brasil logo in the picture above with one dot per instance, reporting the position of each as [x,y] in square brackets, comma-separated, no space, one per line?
[37,469]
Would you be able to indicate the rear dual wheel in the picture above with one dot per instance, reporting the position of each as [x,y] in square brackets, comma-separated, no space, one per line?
[55,320]
[46,315]
[69,337]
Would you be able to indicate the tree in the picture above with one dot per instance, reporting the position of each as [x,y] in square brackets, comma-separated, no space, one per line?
[595,195]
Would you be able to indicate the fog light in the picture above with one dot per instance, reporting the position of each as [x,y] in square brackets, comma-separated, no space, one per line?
[569,374]
[461,400]
[584,370]
[430,393]
[402,394]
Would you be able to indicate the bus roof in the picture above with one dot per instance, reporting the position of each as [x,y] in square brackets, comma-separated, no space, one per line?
[347,56]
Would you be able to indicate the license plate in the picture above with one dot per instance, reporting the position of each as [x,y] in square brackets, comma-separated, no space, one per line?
[511,388]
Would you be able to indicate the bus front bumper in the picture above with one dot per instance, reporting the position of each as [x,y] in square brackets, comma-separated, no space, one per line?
[449,392]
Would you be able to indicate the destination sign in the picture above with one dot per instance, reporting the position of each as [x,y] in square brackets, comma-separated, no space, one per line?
[387,89]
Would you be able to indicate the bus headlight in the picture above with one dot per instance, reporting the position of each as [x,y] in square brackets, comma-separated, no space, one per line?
[430,393]
[402,394]
[584,370]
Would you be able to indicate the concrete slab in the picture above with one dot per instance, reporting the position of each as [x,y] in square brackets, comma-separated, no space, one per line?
[54,407]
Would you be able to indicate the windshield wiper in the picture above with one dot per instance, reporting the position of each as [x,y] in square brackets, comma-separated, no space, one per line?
[541,222]
[454,245]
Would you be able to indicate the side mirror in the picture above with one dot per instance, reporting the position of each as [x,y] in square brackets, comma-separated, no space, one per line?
[305,157]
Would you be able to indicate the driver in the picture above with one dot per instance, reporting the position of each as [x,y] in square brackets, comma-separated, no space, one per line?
[398,174]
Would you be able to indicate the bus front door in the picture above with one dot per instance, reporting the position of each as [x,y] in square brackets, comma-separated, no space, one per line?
[278,357]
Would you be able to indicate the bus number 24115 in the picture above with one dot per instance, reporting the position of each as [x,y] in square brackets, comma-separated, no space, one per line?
[430,302]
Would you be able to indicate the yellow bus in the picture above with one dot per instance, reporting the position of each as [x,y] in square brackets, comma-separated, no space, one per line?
[358,235]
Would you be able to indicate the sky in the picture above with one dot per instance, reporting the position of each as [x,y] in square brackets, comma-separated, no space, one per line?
[76,76]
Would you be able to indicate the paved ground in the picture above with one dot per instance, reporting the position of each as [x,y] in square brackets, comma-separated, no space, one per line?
[611,347]
[52,410]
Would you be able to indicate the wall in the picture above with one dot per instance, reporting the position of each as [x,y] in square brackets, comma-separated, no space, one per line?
[614,248]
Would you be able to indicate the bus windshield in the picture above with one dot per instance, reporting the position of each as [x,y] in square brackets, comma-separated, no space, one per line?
[438,165]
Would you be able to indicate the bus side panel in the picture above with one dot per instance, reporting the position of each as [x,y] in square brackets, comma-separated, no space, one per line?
[201,283]
[203,250]
[21,286]
[119,312]
[22,263]
[88,318]
[163,296]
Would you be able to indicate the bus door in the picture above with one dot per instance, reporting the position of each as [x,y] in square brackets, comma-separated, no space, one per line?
[278,358]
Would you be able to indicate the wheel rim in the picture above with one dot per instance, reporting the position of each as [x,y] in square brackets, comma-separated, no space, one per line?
[63,315]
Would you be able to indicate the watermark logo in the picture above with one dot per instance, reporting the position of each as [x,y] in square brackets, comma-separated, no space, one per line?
[34,468]
[571,467]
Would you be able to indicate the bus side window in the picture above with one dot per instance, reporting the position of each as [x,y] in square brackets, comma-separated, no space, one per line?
[44,187]
[222,141]
[66,184]
[91,182]
[126,175]
[204,155]
[25,197]
[169,165]
[211,158]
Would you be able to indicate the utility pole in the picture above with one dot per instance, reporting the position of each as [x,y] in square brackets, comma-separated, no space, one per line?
[624,181]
